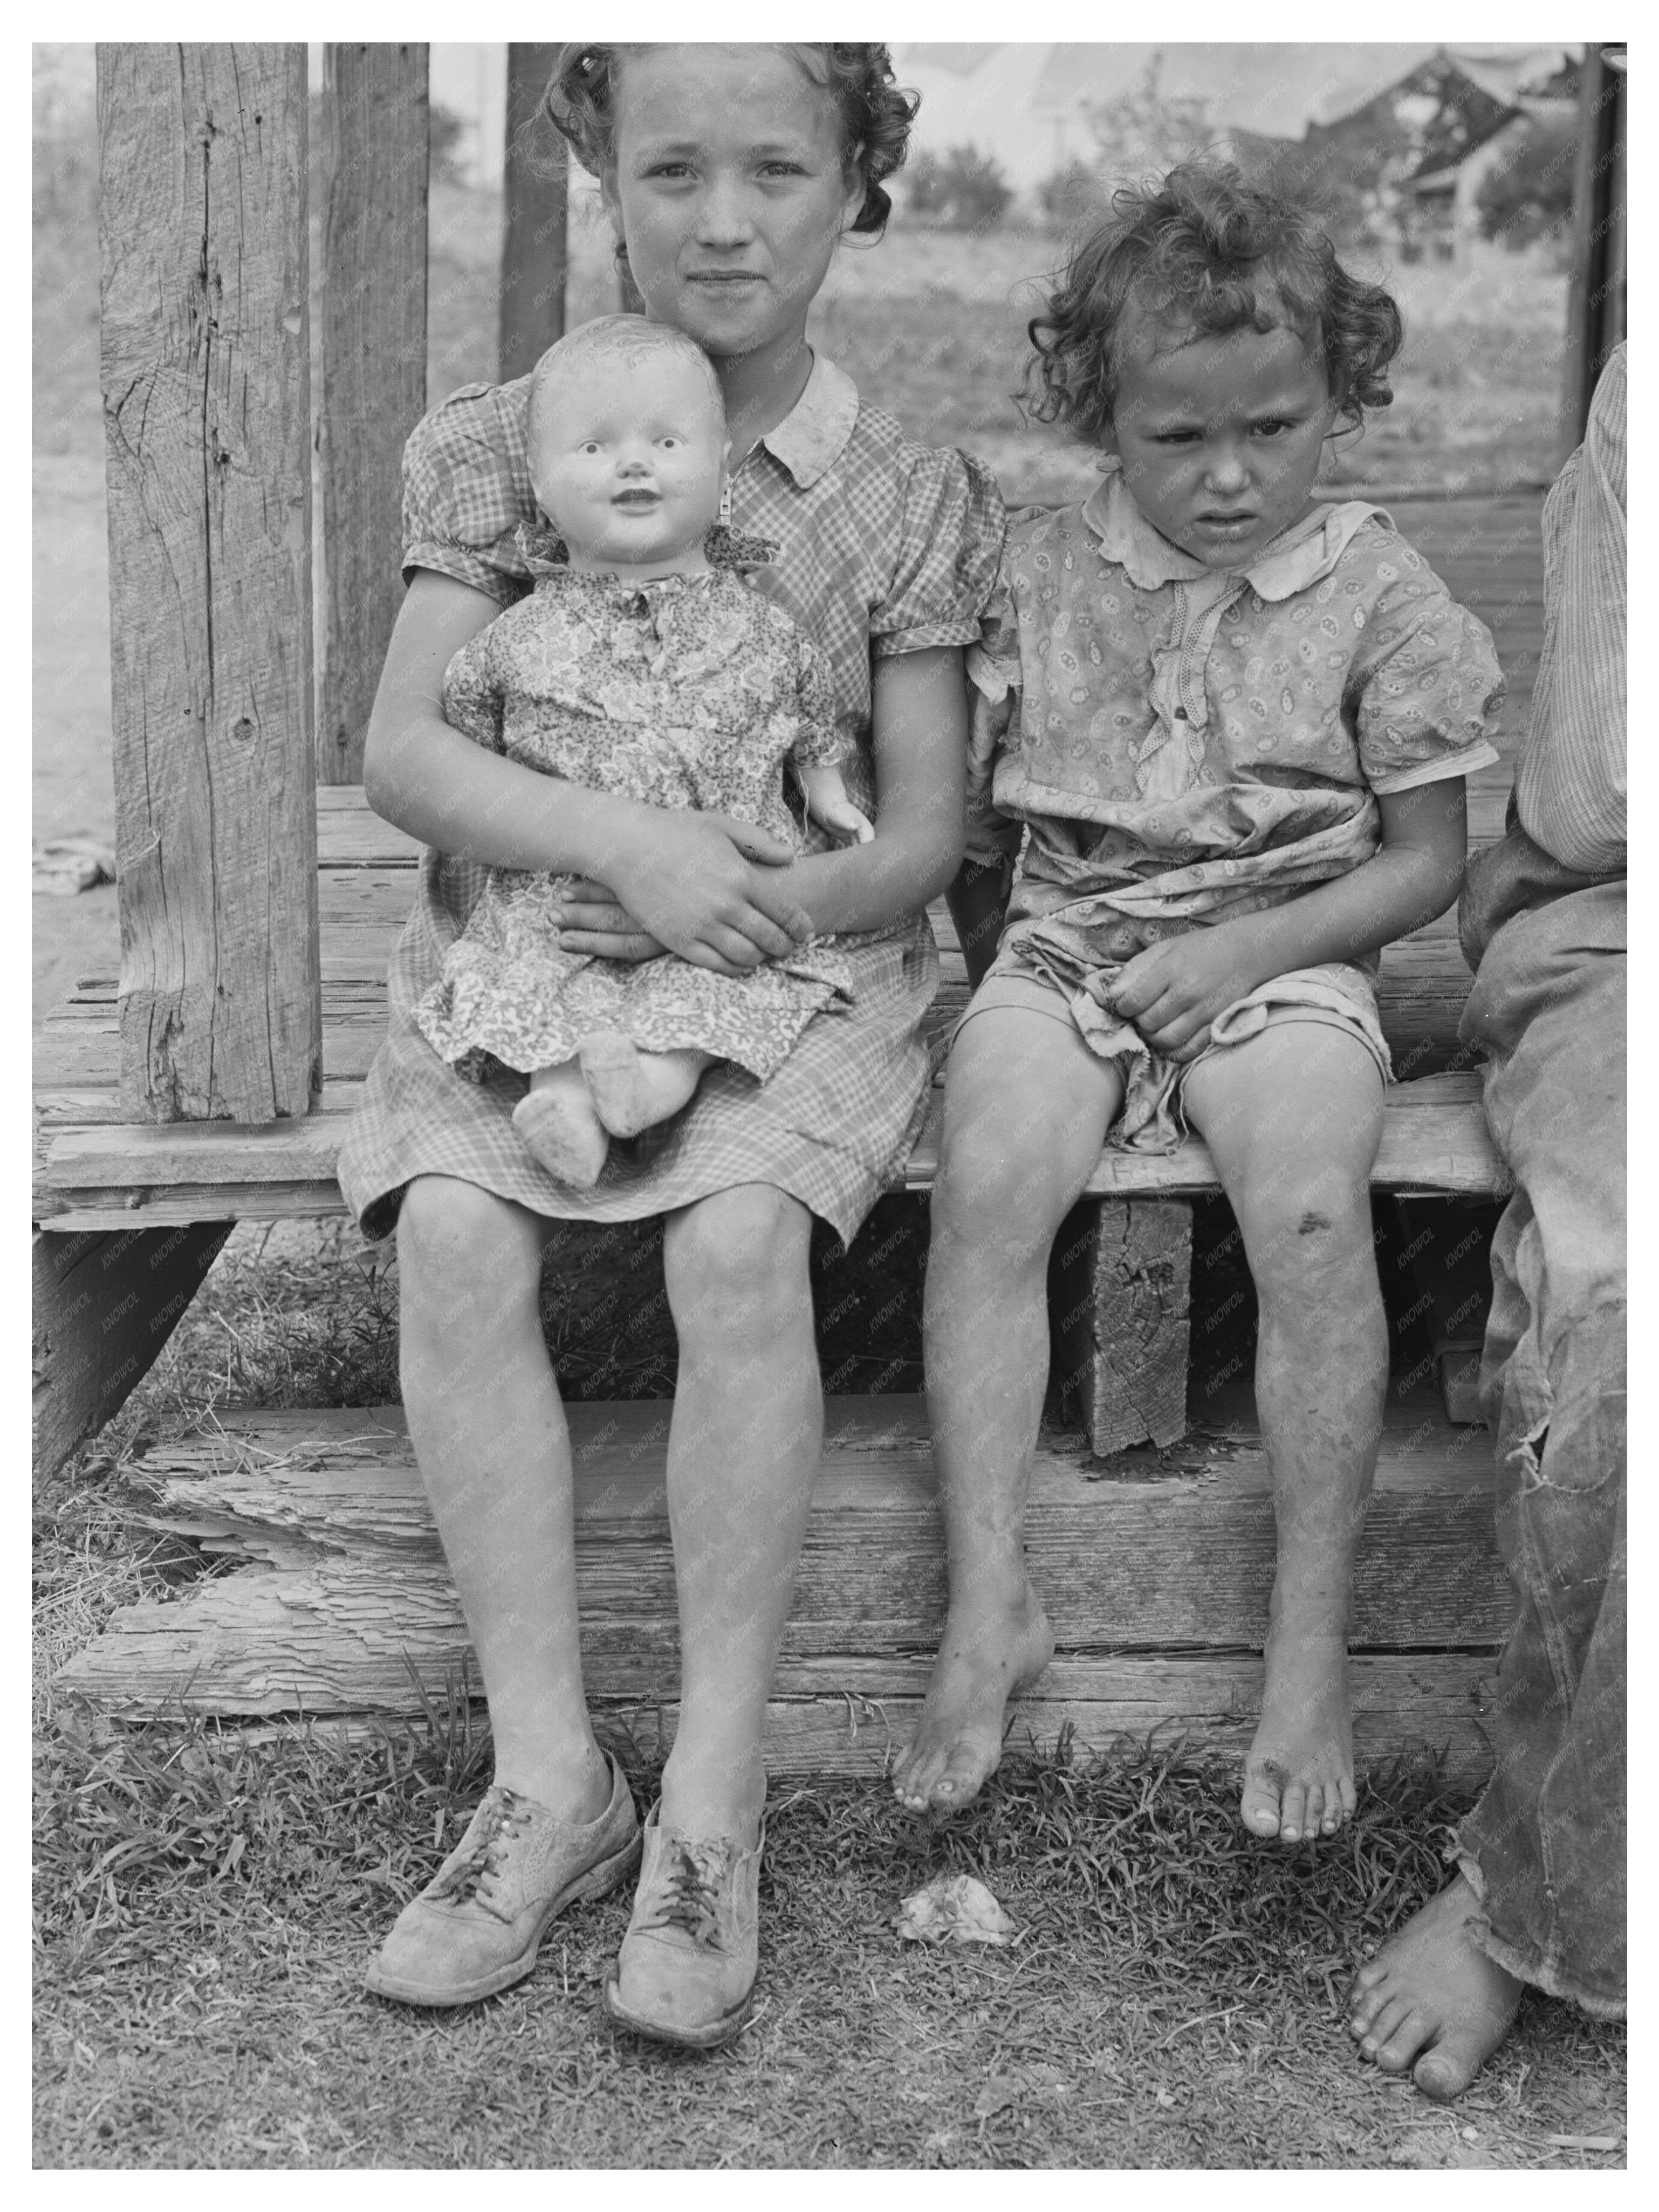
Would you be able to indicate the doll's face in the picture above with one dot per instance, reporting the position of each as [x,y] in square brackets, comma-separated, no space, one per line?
[627,457]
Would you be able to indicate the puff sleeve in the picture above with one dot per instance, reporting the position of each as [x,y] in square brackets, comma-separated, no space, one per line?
[949,543]
[1426,687]
[466,489]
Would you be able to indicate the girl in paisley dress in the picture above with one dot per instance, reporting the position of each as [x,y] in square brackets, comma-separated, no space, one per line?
[1221,728]
[642,665]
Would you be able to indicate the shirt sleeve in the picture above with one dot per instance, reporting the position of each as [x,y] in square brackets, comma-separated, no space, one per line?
[993,697]
[466,489]
[949,541]
[474,701]
[1571,784]
[1430,690]
[819,741]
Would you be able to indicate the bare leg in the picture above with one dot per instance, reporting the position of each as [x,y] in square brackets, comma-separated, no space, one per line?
[1432,1997]
[743,1453]
[556,1118]
[1293,1120]
[631,1089]
[1027,1106]
[490,1433]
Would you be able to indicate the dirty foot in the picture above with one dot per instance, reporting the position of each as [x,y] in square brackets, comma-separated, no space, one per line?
[1432,1995]
[558,1124]
[987,1656]
[633,1090]
[1298,1778]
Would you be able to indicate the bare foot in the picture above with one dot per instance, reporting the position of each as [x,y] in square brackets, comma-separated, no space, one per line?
[1298,1778]
[1432,1991]
[558,1124]
[633,1090]
[988,1655]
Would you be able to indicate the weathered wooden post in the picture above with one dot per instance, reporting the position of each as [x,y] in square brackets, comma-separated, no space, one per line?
[537,187]
[1595,299]
[207,386]
[375,122]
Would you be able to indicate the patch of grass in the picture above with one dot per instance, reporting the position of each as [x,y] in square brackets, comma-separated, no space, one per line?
[205,1900]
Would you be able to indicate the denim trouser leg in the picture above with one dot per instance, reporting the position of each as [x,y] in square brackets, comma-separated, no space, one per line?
[1545,1845]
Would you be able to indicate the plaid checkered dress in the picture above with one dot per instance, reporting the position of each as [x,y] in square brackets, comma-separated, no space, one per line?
[886,547]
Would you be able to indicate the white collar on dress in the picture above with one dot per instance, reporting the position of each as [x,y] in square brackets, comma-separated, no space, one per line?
[1298,556]
[812,436]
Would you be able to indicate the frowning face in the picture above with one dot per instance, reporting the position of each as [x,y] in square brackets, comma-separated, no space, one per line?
[1220,436]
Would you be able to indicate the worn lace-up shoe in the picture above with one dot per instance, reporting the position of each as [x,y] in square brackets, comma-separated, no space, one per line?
[686,1970]
[477,1926]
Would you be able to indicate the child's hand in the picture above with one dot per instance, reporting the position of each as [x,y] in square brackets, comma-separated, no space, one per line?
[1172,992]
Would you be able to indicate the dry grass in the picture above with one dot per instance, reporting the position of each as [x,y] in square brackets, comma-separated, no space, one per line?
[204,1899]
[204,1904]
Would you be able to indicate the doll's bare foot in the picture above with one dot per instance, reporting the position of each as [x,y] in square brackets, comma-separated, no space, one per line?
[633,1090]
[556,1120]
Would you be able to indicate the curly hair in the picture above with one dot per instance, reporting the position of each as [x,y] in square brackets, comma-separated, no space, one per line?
[876,114]
[1204,250]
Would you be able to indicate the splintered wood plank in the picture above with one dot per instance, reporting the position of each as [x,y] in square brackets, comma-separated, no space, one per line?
[103,1307]
[375,262]
[1145,1551]
[207,419]
[1134,1370]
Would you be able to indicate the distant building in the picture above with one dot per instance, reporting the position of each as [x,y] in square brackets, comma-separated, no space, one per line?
[1399,134]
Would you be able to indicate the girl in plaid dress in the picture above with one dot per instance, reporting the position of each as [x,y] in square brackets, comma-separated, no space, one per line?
[640,665]
[729,173]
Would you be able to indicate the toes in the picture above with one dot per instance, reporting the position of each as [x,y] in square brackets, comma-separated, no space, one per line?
[1448,2069]
[1313,1817]
[967,1769]
[1259,1805]
[1350,1797]
[1293,1817]
[1399,2034]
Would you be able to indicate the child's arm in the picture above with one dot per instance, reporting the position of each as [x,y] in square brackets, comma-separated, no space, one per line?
[1172,992]
[978,899]
[819,748]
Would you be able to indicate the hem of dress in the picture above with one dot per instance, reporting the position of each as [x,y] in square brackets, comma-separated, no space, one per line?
[389,1199]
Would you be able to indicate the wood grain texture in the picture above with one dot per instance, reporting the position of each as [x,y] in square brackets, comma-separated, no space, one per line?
[535,186]
[374,281]
[103,1307]
[206,383]
[1123,1331]
[345,1586]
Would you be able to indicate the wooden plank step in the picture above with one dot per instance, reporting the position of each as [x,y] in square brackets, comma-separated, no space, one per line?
[1435,1140]
[1155,1568]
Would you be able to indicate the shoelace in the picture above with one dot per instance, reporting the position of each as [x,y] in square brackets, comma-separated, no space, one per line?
[691,1889]
[501,1814]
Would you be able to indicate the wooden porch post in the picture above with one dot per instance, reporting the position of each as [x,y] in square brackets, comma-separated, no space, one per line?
[207,388]
[1595,299]
[375,123]
[534,233]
